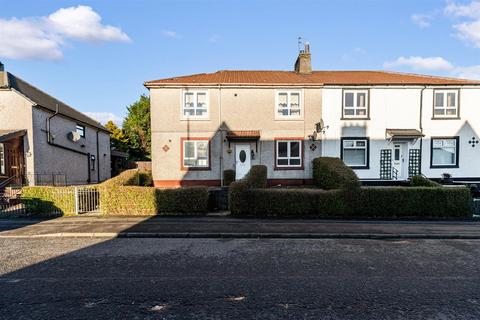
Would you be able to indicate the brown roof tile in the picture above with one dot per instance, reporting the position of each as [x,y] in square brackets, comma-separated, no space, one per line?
[315,78]
[243,134]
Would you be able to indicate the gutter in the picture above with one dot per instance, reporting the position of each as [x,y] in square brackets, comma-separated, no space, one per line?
[50,142]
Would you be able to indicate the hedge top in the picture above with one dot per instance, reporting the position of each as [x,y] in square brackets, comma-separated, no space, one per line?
[331,173]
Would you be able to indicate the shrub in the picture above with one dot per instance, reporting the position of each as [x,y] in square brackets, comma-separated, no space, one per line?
[393,202]
[135,200]
[228,176]
[421,181]
[133,177]
[257,177]
[48,200]
[332,173]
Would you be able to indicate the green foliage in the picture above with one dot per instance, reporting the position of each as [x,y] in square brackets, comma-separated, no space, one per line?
[44,201]
[421,181]
[132,177]
[138,129]
[381,202]
[228,177]
[257,177]
[331,173]
[118,140]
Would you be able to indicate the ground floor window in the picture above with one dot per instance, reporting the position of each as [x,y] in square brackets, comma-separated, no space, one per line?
[2,159]
[288,153]
[195,154]
[444,152]
[354,152]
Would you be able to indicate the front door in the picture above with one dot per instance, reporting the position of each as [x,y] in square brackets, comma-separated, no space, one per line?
[398,162]
[242,160]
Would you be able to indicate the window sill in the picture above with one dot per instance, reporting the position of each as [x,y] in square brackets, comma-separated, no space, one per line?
[444,167]
[288,168]
[446,118]
[355,118]
[195,169]
[359,167]
[288,118]
[195,119]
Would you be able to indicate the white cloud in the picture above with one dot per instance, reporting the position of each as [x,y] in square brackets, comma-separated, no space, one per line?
[44,37]
[421,63]
[171,34]
[422,20]
[104,117]
[468,31]
[437,64]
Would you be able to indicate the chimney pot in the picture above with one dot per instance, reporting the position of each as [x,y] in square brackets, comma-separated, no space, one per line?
[303,65]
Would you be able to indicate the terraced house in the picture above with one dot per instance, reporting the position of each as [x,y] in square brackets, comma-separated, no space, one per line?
[387,126]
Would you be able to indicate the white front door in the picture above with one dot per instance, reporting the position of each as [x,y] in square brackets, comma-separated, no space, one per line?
[399,161]
[242,160]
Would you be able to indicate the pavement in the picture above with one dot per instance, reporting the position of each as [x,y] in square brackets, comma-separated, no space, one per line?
[310,279]
[227,227]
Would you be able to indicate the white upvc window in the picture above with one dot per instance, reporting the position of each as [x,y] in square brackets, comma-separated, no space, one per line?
[80,129]
[2,159]
[288,104]
[195,154]
[444,152]
[195,104]
[445,104]
[289,153]
[355,104]
[355,152]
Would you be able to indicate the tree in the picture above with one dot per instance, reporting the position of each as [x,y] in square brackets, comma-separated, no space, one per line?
[118,139]
[137,129]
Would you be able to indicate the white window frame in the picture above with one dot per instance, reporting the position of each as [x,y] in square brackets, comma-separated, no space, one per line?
[195,92]
[456,154]
[355,107]
[289,156]
[356,147]
[82,128]
[289,93]
[195,157]
[445,108]
[2,159]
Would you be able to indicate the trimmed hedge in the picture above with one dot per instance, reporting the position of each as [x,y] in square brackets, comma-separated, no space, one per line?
[147,201]
[132,177]
[421,181]
[46,200]
[331,173]
[257,176]
[369,202]
[228,177]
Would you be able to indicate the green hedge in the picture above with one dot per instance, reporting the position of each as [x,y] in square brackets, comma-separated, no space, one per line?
[421,181]
[331,173]
[133,177]
[47,200]
[257,176]
[146,201]
[228,177]
[370,202]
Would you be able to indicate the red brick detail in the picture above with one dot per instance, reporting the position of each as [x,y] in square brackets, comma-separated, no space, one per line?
[185,183]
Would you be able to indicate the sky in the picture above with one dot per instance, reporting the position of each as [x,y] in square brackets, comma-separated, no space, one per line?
[96,55]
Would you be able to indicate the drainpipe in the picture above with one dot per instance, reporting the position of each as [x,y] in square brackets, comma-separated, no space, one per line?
[421,126]
[50,142]
[98,159]
[221,131]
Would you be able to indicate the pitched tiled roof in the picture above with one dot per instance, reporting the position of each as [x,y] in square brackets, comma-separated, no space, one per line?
[44,100]
[243,134]
[315,78]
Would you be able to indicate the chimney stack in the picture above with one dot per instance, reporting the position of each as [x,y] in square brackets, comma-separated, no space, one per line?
[303,65]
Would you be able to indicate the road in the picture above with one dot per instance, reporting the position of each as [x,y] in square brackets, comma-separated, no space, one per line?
[73,278]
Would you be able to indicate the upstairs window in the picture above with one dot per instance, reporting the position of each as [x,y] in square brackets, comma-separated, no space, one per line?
[80,130]
[355,152]
[195,105]
[288,104]
[289,153]
[2,159]
[445,104]
[195,154]
[355,104]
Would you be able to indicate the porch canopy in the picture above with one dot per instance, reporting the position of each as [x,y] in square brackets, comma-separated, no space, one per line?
[403,134]
[243,136]
[6,135]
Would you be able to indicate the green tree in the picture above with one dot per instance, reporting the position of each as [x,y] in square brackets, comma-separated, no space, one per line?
[118,139]
[137,129]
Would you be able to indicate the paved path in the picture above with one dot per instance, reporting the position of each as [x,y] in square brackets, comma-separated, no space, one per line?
[221,227]
[68,278]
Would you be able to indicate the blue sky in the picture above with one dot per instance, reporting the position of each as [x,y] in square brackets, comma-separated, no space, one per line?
[95,55]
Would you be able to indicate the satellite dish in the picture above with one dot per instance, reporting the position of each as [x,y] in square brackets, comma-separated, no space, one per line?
[74,136]
[320,127]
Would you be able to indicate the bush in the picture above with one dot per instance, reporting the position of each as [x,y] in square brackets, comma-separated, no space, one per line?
[135,200]
[421,181]
[228,177]
[133,177]
[332,173]
[392,202]
[257,177]
[46,201]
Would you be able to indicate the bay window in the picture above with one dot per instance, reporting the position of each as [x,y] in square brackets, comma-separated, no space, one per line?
[355,152]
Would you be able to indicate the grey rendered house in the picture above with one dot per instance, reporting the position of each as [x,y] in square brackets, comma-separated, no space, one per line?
[44,141]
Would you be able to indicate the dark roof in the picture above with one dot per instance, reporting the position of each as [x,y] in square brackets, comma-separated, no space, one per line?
[46,101]
[243,135]
[315,78]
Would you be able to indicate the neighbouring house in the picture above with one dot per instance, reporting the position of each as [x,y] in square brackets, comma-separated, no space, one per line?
[387,126]
[43,141]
